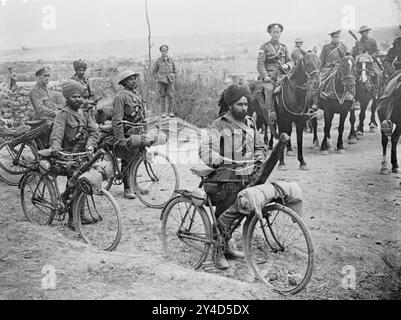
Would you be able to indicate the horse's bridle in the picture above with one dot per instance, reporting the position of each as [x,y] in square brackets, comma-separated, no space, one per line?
[307,85]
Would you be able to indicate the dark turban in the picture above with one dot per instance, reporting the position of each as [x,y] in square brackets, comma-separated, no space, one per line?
[71,87]
[231,95]
[41,71]
[79,64]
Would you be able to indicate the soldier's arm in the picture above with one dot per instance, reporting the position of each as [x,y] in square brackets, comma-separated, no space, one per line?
[260,147]
[209,149]
[174,68]
[93,134]
[261,63]
[388,61]
[39,105]
[288,59]
[116,120]
[322,57]
[57,135]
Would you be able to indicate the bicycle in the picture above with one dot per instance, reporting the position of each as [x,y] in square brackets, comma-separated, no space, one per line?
[20,147]
[153,177]
[42,201]
[188,233]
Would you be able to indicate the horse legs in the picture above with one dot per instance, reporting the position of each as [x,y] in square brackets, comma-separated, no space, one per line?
[282,128]
[343,116]
[373,123]
[290,152]
[394,141]
[384,168]
[313,123]
[362,116]
[328,119]
[352,134]
[271,141]
[300,129]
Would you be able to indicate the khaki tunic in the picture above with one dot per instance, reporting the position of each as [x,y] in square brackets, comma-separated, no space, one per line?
[164,70]
[271,56]
[331,55]
[44,107]
[231,139]
[127,105]
[73,131]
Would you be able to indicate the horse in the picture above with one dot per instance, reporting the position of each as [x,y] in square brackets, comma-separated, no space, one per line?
[336,96]
[294,100]
[364,94]
[395,118]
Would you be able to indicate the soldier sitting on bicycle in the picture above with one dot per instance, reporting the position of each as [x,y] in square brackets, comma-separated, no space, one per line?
[127,105]
[73,129]
[233,136]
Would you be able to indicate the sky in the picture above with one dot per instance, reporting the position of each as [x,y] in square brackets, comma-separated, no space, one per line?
[34,23]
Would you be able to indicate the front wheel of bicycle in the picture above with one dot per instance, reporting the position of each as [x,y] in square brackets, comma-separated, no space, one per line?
[10,168]
[279,249]
[154,180]
[105,230]
[38,198]
[186,233]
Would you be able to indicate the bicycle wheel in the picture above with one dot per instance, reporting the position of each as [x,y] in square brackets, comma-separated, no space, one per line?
[281,252]
[105,233]
[38,198]
[108,157]
[186,233]
[10,170]
[154,180]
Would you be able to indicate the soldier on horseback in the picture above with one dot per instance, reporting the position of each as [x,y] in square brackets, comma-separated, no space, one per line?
[332,53]
[273,62]
[297,53]
[368,45]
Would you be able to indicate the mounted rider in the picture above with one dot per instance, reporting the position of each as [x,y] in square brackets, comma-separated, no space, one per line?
[274,62]
[392,66]
[368,45]
[332,53]
[232,136]
[297,53]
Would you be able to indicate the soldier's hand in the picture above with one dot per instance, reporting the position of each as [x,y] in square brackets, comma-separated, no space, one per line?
[272,116]
[90,149]
[267,79]
[285,66]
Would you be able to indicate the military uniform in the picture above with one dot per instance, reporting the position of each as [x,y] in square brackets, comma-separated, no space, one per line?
[87,92]
[392,61]
[127,105]
[44,107]
[232,139]
[331,55]
[370,46]
[73,131]
[271,56]
[164,70]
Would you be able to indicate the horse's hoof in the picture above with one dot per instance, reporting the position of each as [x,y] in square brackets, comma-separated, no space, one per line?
[341,151]
[352,140]
[304,167]
[282,167]
[384,171]
[395,170]
[359,135]
[290,153]
[324,152]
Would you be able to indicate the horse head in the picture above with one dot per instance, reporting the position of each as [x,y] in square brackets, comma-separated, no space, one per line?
[346,73]
[364,63]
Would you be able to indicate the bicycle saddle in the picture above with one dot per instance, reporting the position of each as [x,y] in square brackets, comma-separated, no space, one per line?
[203,172]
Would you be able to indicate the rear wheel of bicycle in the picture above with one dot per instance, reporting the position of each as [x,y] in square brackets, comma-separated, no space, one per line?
[186,233]
[10,170]
[279,250]
[154,180]
[101,207]
[38,198]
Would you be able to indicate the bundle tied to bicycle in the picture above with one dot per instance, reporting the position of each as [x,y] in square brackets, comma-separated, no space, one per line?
[91,181]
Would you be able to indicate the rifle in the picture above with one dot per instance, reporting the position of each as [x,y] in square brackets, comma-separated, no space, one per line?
[264,171]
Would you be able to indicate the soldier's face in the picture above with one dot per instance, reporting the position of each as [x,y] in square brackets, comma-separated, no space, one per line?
[130,82]
[364,34]
[75,101]
[44,78]
[80,72]
[335,39]
[299,44]
[239,109]
[164,52]
[276,33]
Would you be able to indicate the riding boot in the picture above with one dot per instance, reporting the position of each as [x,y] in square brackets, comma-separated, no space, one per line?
[231,253]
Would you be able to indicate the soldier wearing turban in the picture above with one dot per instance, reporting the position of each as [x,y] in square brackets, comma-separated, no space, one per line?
[233,136]
[80,67]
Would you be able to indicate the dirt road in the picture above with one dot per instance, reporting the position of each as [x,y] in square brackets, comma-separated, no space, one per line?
[353,213]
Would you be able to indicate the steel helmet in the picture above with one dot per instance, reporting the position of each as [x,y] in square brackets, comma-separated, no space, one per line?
[125,74]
